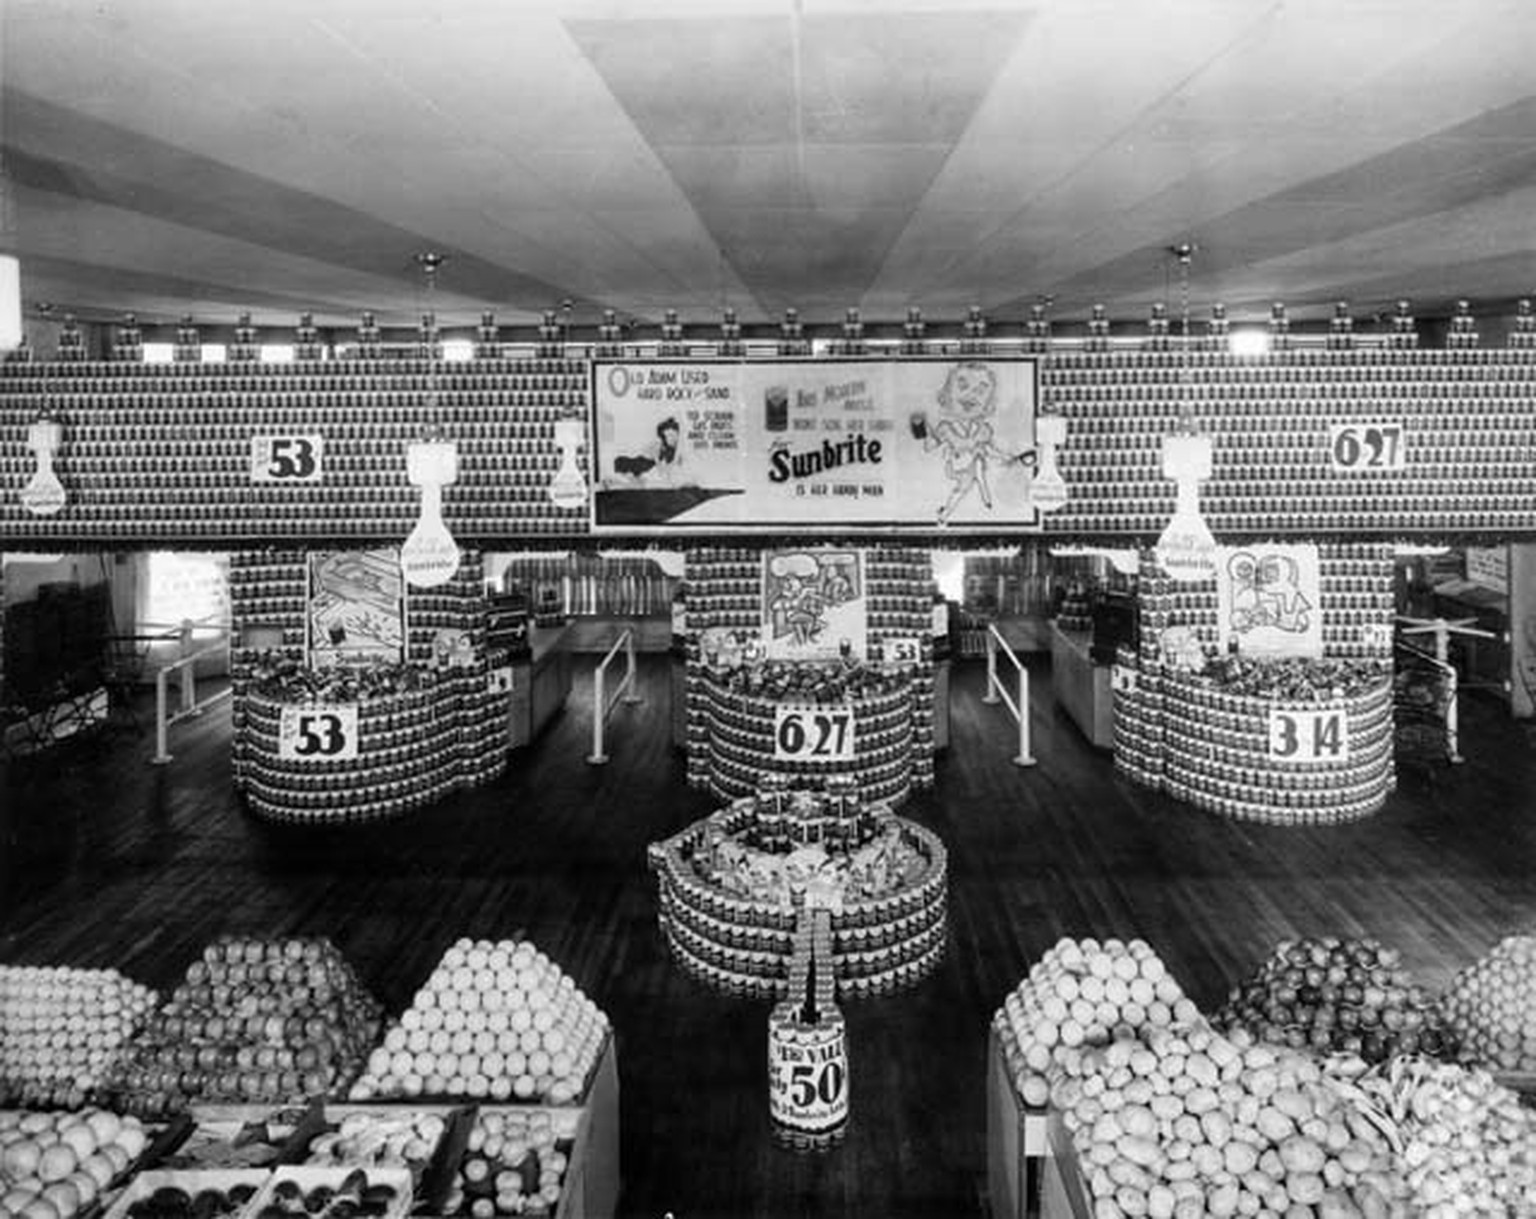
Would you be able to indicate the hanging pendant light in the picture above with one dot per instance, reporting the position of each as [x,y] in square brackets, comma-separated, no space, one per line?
[430,556]
[1186,550]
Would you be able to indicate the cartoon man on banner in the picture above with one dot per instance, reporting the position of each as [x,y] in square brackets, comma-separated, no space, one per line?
[967,404]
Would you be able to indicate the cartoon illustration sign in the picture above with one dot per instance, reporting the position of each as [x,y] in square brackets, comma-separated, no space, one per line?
[1268,599]
[356,607]
[817,445]
[814,605]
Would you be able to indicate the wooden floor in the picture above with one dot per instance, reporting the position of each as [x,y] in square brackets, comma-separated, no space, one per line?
[108,860]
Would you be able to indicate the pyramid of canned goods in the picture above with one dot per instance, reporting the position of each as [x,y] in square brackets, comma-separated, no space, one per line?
[61,1030]
[254,1020]
[495,1020]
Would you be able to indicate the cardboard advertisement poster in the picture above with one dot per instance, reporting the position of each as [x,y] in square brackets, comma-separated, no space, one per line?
[814,605]
[814,445]
[356,610]
[1268,599]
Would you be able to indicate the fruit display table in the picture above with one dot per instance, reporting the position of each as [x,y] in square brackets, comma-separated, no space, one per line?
[400,753]
[541,682]
[869,738]
[731,886]
[1082,686]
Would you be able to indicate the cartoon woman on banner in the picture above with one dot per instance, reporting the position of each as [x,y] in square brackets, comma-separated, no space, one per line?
[967,403]
[796,605]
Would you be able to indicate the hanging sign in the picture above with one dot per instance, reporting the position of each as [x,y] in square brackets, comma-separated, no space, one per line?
[430,556]
[288,459]
[1048,491]
[1362,448]
[44,493]
[1268,599]
[1308,734]
[318,733]
[568,488]
[1186,550]
[814,445]
[816,733]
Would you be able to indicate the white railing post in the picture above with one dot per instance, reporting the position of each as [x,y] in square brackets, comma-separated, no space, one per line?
[1452,720]
[599,716]
[630,696]
[1025,758]
[188,683]
[162,721]
[991,696]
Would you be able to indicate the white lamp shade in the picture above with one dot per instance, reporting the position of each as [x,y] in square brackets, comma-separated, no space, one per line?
[10,303]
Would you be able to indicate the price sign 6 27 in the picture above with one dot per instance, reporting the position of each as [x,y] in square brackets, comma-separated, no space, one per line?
[813,734]
[287,459]
[1354,448]
[318,733]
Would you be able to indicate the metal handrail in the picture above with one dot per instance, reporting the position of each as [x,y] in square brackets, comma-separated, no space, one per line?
[997,692]
[602,705]
[189,705]
[1452,715]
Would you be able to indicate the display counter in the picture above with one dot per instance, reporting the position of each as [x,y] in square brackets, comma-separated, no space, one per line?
[731,885]
[1082,686]
[1016,1141]
[541,683]
[870,738]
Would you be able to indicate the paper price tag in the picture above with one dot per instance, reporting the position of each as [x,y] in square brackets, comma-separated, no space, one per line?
[318,733]
[1303,735]
[813,734]
[288,459]
[1123,679]
[901,651]
[1362,448]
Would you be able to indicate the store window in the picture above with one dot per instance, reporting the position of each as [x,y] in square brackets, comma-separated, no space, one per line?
[177,586]
[277,353]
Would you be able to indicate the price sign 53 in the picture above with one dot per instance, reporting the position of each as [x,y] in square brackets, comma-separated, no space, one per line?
[318,733]
[1306,735]
[813,734]
[287,459]
[1354,448]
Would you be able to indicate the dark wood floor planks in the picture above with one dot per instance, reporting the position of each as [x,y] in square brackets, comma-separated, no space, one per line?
[108,860]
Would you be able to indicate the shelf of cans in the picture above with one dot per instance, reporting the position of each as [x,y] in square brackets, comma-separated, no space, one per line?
[183,433]
[743,946]
[737,743]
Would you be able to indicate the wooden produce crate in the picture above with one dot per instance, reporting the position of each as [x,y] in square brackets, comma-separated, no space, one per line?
[270,1133]
[1016,1142]
[193,1182]
[307,1178]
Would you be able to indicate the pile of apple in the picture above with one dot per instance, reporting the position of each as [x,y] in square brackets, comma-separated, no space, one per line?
[495,1021]
[1083,993]
[514,1163]
[1191,1123]
[1337,996]
[254,1021]
[56,1164]
[61,1030]
[1491,1007]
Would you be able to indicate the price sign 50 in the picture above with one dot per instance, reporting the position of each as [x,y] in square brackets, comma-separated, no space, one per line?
[1307,735]
[1354,448]
[287,459]
[813,734]
[317,734]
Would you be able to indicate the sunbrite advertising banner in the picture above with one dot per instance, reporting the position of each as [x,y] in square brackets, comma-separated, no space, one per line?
[814,445]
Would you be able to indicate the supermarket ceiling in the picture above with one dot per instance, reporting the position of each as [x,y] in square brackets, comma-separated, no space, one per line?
[175,156]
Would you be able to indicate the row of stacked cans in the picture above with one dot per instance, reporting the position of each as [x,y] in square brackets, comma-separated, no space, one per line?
[266,588]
